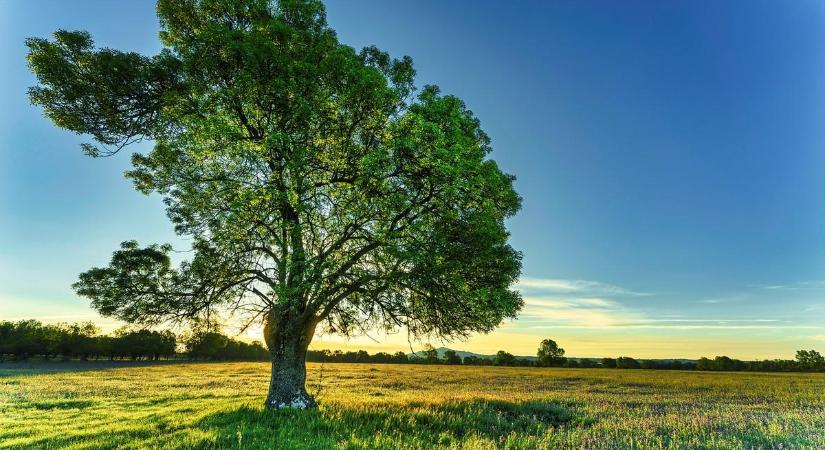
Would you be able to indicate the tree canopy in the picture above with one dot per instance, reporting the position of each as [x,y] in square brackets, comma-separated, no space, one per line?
[304,170]
[549,353]
[317,183]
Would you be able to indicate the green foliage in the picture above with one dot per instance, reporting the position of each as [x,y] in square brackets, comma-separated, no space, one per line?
[30,338]
[609,363]
[550,354]
[137,280]
[473,360]
[144,343]
[216,346]
[359,356]
[504,359]
[113,96]
[626,362]
[588,363]
[451,357]
[806,360]
[810,359]
[430,354]
[317,184]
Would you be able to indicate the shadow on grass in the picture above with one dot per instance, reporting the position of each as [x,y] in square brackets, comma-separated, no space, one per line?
[383,426]
[61,404]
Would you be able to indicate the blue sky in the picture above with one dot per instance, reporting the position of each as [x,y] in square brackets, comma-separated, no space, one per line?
[669,155]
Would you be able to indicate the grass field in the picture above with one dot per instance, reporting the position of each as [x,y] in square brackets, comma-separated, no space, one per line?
[218,405]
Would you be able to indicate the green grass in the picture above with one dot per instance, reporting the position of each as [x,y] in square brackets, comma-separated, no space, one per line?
[217,405]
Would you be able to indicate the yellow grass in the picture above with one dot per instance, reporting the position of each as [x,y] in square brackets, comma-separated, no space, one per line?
[218,405]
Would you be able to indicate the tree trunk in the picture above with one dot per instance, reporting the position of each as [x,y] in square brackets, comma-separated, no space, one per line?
[288,341]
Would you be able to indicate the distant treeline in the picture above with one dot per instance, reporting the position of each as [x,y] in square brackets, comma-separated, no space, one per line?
[807,360]
[501,358]
[31,339]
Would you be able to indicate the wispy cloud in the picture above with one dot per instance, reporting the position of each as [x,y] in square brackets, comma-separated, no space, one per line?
[719,321]
[713,323]
[814,307]
[563,303]
[681,327]
[814,284]
[720,300]
[572,311]
[570,302]
[558,285]
[574,303]
[579,313]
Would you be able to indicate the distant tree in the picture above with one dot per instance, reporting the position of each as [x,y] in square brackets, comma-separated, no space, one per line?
[504,359]
[400,358]
[587,363]
[28,338]
[319,355]
[380,357]
[810,360]
[213,345]
[7,334]
[431,354]
[727,364]
[207,345]
[775,365]
[572,363]
[609,363]
[677,365]
[361,356]
[316,187]
[626,362]
[722,363]
[550,354]
[145,344]
[704,364]
[76,340]
[451,357]
[165,344]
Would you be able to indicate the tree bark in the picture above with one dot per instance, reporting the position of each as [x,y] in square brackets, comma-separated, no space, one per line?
[288,341]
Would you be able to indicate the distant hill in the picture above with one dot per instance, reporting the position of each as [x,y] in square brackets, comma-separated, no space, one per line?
[464,354]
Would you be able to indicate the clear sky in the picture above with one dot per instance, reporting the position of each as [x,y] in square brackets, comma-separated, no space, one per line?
[670,156]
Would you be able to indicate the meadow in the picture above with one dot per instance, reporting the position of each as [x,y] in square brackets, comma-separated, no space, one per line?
[218,405]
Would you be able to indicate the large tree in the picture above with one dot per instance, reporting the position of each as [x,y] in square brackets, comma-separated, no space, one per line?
[318,185]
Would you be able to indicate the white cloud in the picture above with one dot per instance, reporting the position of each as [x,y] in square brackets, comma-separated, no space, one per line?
[575,311]
[815,284]
[562,303]
[718,300]
[570,302]
[554,302]
[558,285]
[814,307]
[719,321]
